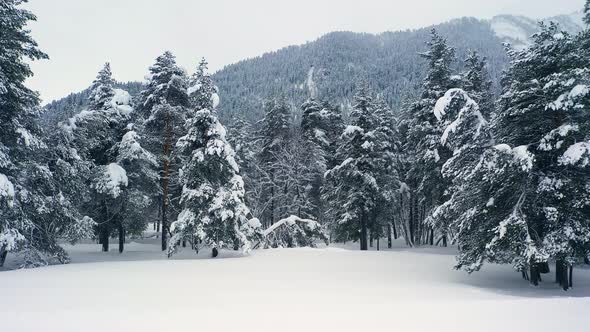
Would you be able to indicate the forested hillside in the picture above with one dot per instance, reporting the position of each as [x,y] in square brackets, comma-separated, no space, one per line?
[330,66]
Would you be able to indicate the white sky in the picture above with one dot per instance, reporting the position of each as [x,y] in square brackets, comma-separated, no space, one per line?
[80,35]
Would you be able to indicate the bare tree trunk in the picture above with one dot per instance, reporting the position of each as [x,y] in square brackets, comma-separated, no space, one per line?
[214,252]
[166,180]
[363,240]
[3,254]
[534,274]
[389,231]
[104,237]
[272,202]
[121,237]
[561,274]
[413,219]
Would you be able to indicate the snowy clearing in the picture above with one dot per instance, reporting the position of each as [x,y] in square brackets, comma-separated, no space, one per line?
[327,289]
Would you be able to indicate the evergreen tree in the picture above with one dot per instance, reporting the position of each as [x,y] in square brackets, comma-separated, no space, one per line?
[467,134]
[34,213]
[529,195]
[274,134]
[477,84]
[111,161]
[587,12]
[102,89]
[425,154]
[357,180]
[139,165]
[164,105]
[213,208]
[202,91]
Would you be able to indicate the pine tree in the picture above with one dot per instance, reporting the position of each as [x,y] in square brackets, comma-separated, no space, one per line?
[110,157]
[139,165]
[313,147]
[274,134]
[213,208]
[467,134]
[528,199]
[102,89]
[477,84]
[164,105]
[34,214]
[425,154]
[358,181]
[587,12]
[202,91]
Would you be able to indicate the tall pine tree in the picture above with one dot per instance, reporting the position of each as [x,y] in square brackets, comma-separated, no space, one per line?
[164,105]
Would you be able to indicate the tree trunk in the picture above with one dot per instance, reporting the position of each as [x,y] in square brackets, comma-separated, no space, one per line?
[535,275]
[3,254]
[571,281]
[272,203]
[561,275]
[431,237]
[214,252]
[104,237]
[121,237]
[389,231]
[166,180]
[363,234]
[378,244]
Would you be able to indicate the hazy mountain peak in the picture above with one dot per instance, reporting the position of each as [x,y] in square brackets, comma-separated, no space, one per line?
[517,30]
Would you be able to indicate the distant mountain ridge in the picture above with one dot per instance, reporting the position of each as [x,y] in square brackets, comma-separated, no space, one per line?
[517,30]
[330,66]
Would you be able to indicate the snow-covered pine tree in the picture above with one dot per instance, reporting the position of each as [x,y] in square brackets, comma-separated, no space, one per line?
[530,197]
[101,91]
[313,144]
[143,180]
[34,213]
[355,180]
[213,208]
[333,126]
[388,176]
[97,136]
[587,12]
[274,134]
[164,107]
[477,83]
[467,134]
[202,91]
[423,178]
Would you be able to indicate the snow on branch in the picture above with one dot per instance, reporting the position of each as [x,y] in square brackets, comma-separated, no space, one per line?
[294,232]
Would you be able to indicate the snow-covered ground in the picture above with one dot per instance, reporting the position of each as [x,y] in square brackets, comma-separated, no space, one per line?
[327,289]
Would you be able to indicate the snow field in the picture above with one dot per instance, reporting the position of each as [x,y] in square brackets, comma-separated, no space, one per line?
[327,289]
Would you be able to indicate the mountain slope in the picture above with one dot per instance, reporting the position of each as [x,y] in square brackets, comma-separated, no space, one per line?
[389,61]
[330,66]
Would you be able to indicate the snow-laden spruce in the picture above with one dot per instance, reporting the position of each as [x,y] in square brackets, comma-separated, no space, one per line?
[102,146]
[527,200]
[36,210]
[362,183]
[213,210]
[164,108]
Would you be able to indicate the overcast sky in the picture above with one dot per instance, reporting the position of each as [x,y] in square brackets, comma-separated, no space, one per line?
[80,35]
